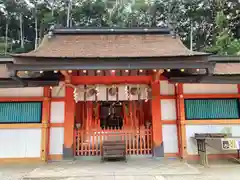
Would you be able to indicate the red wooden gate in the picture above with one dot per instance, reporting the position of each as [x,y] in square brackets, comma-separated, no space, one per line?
[89,142]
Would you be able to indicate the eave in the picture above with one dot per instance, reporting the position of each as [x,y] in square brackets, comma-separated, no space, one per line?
[224,59]
[10,83]
[109,65]
[215,79]
[104,31]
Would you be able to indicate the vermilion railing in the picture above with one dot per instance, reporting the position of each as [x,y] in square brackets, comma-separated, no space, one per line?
[89,142]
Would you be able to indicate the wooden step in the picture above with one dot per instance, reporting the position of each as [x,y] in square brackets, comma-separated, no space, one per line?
[113,149]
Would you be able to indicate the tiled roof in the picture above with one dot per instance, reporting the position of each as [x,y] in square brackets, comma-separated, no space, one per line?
[227,68]
[127,45]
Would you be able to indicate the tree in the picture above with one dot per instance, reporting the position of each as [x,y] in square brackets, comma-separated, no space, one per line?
[26,23]
[225,43]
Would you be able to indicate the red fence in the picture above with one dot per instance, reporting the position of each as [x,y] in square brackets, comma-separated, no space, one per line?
[89,142]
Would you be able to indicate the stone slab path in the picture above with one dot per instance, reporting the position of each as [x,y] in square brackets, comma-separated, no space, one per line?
[145,169]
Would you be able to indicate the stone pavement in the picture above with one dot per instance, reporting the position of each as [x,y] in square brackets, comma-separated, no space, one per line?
[134,169]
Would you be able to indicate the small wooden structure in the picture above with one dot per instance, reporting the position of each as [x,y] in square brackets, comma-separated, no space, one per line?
[113,150]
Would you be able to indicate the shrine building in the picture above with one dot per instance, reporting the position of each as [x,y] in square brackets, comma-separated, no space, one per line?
[81,87]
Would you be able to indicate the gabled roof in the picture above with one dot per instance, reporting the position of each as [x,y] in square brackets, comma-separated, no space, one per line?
[109,43]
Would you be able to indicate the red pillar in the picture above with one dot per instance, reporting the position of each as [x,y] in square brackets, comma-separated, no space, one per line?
[158,150]
[69,124]
[46,106]
[181,121]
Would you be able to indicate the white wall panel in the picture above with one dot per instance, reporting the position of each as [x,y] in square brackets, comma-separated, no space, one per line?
[102,96]
[144,93]
[166,88]
[20,143]
[122,96]
[21,92]
[168,109]
[58,91]
[170,139]
[210,88]
[56,140]
[57,112]
[192,129]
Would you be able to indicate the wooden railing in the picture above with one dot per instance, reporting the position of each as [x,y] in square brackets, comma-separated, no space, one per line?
[89,142]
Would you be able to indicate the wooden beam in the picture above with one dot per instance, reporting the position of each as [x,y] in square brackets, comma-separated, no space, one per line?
[111,79]
[157,75]
[212,121]
[20,126]
[174,122]
[209,96]
[56,125]
[66,76]
[20,99]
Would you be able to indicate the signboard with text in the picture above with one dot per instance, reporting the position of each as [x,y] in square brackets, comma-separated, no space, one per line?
[230,144]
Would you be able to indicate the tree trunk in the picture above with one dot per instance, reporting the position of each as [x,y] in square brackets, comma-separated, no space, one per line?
[6,37]
[36,29]
[21,30]
[52,8]
[69,13]
[41,32]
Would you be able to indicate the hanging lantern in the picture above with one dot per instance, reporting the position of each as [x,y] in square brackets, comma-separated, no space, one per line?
[112,91]
[134,91]
[91,92]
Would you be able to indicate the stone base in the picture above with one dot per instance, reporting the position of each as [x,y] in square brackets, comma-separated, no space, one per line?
[68,153]
[158,151]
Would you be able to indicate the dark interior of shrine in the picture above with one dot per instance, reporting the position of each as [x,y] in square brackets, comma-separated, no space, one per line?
[111,115]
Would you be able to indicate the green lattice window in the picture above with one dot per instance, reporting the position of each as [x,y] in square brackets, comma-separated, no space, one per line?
[20,112]
[212,109]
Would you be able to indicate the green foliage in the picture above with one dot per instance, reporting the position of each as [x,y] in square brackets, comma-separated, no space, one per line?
[214,22]
[225,43]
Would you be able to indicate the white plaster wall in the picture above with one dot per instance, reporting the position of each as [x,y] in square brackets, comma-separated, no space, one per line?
[58,91]
[168,109]
[121,93]
[210,89]
[166,88]
[20,143]
[21,92]
[102,93]
[192,129]
[56,140]
[81,93]
[170,140]
[57,112]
